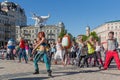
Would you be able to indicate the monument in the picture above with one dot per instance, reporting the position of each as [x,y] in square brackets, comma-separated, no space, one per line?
[40,20]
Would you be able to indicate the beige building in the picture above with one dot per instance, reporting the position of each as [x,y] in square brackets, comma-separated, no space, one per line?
[30,32]
[11,15]
[105,28]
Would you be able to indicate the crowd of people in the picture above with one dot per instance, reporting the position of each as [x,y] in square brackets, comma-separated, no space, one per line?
[75,52]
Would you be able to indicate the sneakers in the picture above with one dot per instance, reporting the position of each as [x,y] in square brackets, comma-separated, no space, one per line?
[49,73]
[36,72]
[99,67]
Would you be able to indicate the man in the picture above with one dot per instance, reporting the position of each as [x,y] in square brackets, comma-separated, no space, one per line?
[22,52]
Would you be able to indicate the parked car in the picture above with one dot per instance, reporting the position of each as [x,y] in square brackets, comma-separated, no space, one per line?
[3,53]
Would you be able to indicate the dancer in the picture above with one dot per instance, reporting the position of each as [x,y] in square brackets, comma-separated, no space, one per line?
[112,46]
[10,48]
[91,52]
[98,52]
[59,52]
[41,53]
[22,52]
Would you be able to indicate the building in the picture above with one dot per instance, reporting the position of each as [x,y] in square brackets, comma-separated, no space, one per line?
[11,15]
[30,32]
[105,28]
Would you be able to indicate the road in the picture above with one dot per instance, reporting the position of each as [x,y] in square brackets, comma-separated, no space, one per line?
[12,70]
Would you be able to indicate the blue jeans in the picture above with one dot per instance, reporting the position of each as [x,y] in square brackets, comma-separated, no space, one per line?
[38,56]
[22,53]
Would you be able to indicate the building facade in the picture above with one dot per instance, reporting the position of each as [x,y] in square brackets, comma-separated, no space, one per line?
[30,32]
[11,15]
[105,28]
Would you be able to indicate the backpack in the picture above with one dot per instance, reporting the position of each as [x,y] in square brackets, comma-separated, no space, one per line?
[66,41]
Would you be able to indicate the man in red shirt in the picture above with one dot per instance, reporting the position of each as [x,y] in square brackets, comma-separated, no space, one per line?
[22,52]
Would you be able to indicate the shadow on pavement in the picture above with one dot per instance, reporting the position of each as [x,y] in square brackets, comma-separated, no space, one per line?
[110,73]
[1,67]
[31,78]
[75,72]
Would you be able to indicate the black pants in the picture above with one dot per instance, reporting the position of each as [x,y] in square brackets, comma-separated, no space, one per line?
[80,59]
[91,56]
[51,54]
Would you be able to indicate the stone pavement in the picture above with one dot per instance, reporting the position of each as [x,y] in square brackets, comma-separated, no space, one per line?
[12,70]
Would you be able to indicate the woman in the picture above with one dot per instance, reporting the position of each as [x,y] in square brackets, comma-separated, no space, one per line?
[41,53]
[27,49]
[91,52]
[59,52]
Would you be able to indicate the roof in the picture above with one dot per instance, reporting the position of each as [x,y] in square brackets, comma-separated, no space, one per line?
[113,21]
[106,23]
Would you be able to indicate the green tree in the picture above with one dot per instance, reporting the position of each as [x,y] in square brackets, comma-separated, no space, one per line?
[84,37]
[94,34]
[71,36]
[62,33]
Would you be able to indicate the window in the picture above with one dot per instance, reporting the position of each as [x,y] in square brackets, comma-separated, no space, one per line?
[116,33]
[29,31]
[32,31]
[36,30]
[47,30]
[108,28]
[50,31]
[54,30]
[32,36]
[115,27]
[111,27]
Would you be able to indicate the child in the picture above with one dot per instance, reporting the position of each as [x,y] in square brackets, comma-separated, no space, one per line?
[111,51]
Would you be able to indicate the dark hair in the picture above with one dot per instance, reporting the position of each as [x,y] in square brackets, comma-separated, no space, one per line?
[111,32]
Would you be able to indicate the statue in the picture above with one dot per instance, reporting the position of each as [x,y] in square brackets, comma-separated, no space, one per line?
[39,20]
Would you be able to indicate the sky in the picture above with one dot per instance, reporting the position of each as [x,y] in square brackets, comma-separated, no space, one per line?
[75,14]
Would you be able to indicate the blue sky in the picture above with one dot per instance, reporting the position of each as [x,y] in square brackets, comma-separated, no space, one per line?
[76,14]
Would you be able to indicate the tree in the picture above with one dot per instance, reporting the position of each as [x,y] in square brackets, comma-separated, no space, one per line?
[71,36]
[94,34]
[84,37]
[62,33]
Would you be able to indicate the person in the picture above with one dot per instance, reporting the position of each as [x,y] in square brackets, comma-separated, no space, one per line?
[111,51]
[22,52]
[98,52]
[27,49]
[17,48]
[91,52]
[52,50]
[59,52]
[80,45]
[83,53]
[41,53]
[66,44]
[73,52]
[10,48]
